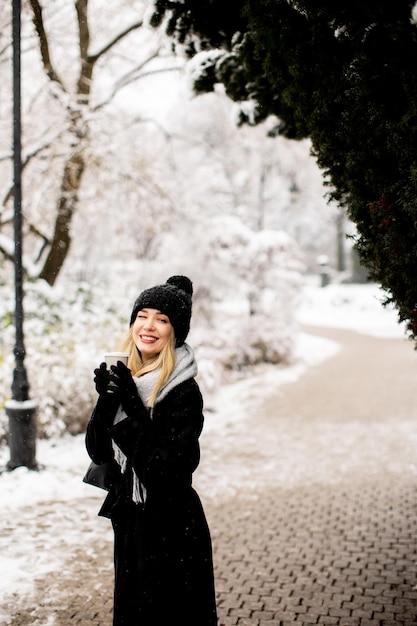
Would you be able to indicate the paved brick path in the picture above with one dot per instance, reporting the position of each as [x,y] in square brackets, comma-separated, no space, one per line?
[346,555]
[322,526]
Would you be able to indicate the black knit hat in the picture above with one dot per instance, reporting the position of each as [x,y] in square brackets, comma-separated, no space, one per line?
[172,299]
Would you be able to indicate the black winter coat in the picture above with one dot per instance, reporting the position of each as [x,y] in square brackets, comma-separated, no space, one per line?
[163,553]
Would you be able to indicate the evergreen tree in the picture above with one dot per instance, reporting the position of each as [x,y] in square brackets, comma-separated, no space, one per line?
[342,73]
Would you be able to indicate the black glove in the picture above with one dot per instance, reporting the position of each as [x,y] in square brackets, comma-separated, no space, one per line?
[125,388]
[102,379]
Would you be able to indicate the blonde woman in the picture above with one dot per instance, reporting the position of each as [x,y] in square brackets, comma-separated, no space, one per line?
[147,423]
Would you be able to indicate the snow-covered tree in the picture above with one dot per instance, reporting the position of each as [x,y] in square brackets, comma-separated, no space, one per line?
[77,57]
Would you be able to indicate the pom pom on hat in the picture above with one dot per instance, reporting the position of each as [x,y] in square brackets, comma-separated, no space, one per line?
[174,299]
[181,282]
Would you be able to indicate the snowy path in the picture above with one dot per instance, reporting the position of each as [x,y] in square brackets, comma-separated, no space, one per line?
[369,379]
[353,414]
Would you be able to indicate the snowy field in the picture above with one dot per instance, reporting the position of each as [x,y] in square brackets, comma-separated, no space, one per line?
[29,550]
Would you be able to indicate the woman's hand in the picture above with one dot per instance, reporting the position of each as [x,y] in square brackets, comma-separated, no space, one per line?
[124,386]
[102,379]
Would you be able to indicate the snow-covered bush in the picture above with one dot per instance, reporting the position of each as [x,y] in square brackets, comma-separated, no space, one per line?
[246,286]
[67,330]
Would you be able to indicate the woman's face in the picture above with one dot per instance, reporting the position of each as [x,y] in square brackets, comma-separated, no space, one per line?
[151,331]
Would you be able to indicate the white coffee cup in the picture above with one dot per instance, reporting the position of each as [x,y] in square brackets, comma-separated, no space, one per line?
[111,358]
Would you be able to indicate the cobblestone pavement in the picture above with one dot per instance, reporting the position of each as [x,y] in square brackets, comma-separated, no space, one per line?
[343,555]
[321,526]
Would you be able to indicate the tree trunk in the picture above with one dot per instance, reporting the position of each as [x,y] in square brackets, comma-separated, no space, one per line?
[66,206]
[75,165]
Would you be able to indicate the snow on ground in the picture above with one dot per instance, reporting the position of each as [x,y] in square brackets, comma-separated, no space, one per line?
[352,306]
[29,549]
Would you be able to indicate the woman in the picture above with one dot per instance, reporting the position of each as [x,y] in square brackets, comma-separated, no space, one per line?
[147,425]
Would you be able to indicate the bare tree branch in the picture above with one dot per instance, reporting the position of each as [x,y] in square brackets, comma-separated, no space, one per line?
[6,218]
[7,247]
[87,66]
[127,77]
[44,44]
[94,57]
[81,7]
[88,61]
[134,75]
[4,50]
[25,162]
[45,241]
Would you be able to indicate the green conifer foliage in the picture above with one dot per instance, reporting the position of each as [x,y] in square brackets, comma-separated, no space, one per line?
[344,74]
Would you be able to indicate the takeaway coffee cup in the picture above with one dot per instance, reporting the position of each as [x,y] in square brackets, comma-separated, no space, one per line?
[111,358]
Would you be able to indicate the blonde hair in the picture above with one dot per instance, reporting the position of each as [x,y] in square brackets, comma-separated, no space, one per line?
[165,361]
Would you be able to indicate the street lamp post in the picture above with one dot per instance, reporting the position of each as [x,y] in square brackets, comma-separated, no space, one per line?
[20,410]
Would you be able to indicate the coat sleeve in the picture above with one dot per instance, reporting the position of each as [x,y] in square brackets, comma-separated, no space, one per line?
[131,431]
[98,439]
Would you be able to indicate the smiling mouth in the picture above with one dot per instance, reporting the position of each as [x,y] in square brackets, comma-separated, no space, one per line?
[148,338]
